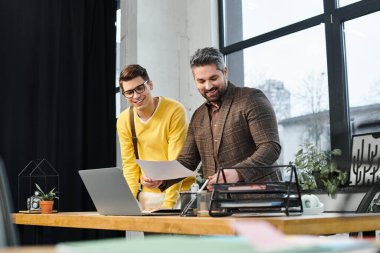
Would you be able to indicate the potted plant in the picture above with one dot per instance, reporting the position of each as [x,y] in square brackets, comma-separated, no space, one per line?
[46,199]
[317,169]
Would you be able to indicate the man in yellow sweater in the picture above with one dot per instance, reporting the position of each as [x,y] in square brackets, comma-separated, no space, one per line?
[160,125]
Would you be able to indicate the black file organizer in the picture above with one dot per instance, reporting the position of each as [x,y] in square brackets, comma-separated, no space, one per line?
[259,197]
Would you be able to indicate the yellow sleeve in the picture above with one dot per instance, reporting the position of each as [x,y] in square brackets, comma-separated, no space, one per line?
[171,195]
[176,138]
[131,170]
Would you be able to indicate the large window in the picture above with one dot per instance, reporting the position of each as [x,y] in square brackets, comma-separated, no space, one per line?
[256,20]
[317,63]
[293,76]
[259,16]
[363,75]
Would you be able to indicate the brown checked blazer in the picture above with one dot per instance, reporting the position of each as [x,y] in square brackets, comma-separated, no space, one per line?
[248,135]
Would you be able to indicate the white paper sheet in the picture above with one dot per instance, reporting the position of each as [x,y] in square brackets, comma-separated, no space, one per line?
[164,170]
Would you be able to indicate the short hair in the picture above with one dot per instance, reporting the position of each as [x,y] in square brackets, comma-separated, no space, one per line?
[206,56]
[132,71]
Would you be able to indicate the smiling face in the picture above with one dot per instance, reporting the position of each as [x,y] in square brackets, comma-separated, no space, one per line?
[210,81]
[144,99]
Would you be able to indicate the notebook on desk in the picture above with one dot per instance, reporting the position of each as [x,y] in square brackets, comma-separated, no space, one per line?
[112,196]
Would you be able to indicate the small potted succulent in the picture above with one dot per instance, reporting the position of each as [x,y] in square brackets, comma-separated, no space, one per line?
[46,199]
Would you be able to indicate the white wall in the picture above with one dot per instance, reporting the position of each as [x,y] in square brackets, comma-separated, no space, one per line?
[161,36]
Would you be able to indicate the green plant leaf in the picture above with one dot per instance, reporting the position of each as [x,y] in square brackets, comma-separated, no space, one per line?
[39,189]
[310,162]
[46,196]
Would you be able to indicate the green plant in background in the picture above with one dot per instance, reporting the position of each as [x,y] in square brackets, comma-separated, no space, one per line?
[51,195]
[317,169]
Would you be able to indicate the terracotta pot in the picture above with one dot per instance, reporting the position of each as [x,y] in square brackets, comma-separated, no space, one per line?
[46,206]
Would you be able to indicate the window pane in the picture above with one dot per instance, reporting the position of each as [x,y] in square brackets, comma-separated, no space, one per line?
[248,18]
[347,2]
[293,76]
[363,75]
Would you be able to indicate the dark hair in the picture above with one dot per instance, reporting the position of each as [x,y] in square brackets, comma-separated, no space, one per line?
[132,71]
[206,56]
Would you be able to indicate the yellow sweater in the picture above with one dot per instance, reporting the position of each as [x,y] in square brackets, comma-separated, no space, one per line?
[159,139]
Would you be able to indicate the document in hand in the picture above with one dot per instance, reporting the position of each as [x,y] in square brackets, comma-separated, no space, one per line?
[164,170]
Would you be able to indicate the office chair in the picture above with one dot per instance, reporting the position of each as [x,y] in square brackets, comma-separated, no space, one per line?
[370,139]
[8,236]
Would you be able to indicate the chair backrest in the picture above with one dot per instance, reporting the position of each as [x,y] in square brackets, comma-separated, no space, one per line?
[8,236]
[365,159]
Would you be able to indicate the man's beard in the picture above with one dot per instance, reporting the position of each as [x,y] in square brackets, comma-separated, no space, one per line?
[220,93]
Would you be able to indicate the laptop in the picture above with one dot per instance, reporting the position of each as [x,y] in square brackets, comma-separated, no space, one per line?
[112,196]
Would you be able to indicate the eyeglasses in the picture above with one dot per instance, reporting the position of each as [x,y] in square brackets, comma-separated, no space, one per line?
[139,89]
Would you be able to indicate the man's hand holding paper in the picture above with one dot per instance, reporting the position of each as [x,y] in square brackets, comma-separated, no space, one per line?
[163,170]
[150,183]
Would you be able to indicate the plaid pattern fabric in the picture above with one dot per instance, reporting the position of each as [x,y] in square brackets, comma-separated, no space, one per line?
[247,136]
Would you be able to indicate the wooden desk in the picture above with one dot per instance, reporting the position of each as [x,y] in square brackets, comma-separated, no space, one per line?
[315,225]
